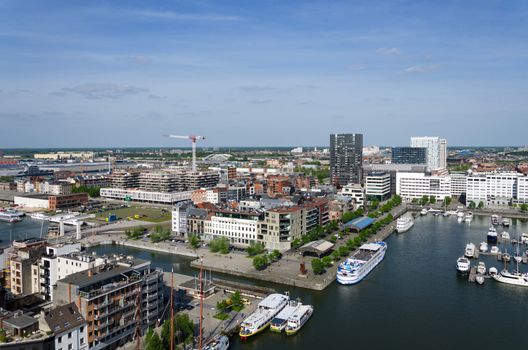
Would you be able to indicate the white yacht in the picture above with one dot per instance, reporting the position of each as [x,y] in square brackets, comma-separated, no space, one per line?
[505,235]
[506,222]
[220,342]
[280,321]
[515,278]
[494,250]
[495,219]
[463,265]
[39,216]
[481,268]
[9,217]
[404,224]
[479,279]
[359,265]
[468,217]
[470,250]
[483,247]
[524,238]
[492,235]
[423,211]
[267,309]
[298,319]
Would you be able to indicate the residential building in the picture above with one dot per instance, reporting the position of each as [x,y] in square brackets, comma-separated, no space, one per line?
[458,183]
[8,186]
[49,271]
[496,189]
[416,185]
[56,188]
[377,186]
[67,325]
[409,155]
[23,266]
[60,156]
[355,192]
[241,228]
[196,221]
[280,227]
[125,179]
[278,185]
[145,196]
[179,218]
[392,170]
[436,150]
[346,159]
[111,297]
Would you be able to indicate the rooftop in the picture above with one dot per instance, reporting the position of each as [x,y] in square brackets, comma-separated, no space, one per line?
[63,318]
[360,223]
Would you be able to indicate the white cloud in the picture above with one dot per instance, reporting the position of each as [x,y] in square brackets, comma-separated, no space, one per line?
[389,51]
[170,15]
[102,91]
[422,68]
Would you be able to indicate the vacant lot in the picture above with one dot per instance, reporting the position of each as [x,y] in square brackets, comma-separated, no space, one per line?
[136,213]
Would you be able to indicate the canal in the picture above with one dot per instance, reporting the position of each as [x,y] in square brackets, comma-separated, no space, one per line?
[413,300]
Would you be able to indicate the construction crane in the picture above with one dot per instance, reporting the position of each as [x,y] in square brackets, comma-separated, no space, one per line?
[193,139]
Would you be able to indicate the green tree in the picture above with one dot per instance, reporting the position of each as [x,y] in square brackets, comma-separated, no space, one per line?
[221,305]
[260,262]
[335,255]
[275,255]
[343,251]
[432,199]
[3,335]
[194,241]
[327,261]
[236,299]
[255,248]
[154,343]
[318,266]
[148,336]
[447,200]
[219,245]
[524,207]
[481,205]
[424,200]
[472,205]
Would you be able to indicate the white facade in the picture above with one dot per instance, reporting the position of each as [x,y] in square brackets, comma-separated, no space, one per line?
[436,150]
[238,231]
[458,184]
[179,219]
[74,339]
[416,185]
[48,274]
[30,202]
[145,196]
[355,192]
[378,185]
[497,189]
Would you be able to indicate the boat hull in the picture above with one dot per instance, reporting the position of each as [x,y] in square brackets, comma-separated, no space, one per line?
[350,280]
[245,336]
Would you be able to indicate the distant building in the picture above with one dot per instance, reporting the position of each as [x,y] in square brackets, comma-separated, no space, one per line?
[60,156]
[436,150]
[67,200]
[392,170]
[346,158]
[416,185]
[409,155]
[24,276]
[145,196]
[355,192]
[497,189]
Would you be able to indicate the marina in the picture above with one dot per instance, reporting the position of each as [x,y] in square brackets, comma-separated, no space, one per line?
[392,290]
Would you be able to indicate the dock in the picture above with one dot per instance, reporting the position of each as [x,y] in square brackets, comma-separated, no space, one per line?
[472,275]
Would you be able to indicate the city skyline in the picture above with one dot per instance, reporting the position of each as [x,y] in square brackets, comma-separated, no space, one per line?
[109,74]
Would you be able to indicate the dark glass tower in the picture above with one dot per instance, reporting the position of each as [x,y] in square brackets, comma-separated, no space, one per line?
[346,158]
[409,155]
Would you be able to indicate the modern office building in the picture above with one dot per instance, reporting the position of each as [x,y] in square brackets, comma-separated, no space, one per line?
[355,192]
[145,196]
[241,228]
[497,189]
[458,183]
[346,158]
[409,155]
[392,170]
[377,186]
[436,150]
[416,185]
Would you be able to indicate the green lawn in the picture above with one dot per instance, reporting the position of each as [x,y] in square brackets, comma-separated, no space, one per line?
[145,214]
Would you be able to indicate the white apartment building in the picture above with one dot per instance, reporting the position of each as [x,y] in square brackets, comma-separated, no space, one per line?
[145,196]
[497,189]
[458,184]
[48,267]
[354,191]
[179,218]
[240,232]
[436,150]
[378,186]
[67,325]
[416,185]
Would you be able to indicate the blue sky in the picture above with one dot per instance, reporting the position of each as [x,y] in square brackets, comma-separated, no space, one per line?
[253,73]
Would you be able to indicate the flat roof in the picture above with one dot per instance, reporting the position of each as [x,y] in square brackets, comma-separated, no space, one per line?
[319,246]
[360,223]
[21,321]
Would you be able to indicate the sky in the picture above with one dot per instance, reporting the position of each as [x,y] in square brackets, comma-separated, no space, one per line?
[262,73]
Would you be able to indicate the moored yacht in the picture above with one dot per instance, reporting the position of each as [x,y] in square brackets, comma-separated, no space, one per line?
[481,268]
[298,319]
[39,216]
[218,343]
[505,235]
[423,211]
[494,250]
[9,217]
[506,222]
[470,250]
[463,264]
[279,322]
[492,235]
[267,309]
[495,219]
[483,247]
[404,224]
[468,217]
[524,238]
[359,265]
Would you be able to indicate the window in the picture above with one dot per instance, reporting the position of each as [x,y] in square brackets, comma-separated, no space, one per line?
[69,335]
[59,340]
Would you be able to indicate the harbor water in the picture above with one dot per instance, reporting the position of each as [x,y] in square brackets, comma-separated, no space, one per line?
[413,300]
[27,228]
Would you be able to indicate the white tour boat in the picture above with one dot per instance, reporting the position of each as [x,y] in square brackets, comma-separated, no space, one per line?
[9,217]
[358,266]
[220,342]
[267,309]
[280,321]
[404,224]
[298,319]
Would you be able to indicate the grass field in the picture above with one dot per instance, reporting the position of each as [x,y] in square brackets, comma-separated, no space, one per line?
[145,214]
